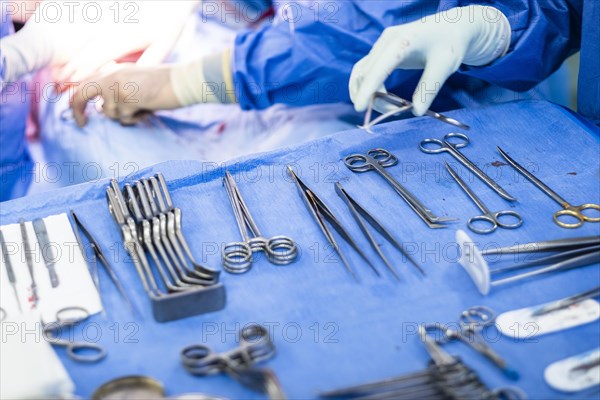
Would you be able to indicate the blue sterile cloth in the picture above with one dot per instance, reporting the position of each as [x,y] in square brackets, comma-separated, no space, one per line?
[330,331]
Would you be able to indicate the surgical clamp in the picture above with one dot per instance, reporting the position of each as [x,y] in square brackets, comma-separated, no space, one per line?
[446,145]
[320,212]
[10,271]
[238,256]
[28,258]
[378,160]
[471,324]
[489,217]
[400,106]
[239,363]
[361,215]
[568,209]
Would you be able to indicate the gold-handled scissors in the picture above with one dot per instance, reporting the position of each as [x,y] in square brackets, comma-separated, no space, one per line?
[568,209]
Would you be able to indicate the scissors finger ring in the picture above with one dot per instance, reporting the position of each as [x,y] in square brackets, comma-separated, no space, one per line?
[94,352]
[508,213]
[486,219]
[570,212]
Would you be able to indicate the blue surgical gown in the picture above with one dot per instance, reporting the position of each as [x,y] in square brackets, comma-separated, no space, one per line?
[16,166]
[307,57]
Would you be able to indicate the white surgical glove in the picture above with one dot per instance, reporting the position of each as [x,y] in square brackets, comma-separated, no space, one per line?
[84,36]
[439,44]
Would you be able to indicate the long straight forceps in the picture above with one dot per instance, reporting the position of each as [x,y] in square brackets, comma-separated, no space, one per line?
[238,256]
[320,212]
[378,160]
[471,324]
[493,219]
[461,140]
[568,209]
[361,215]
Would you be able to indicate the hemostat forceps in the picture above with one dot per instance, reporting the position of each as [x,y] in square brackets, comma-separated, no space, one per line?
[568,209]
[378,160]
[255,346]
[360,215]
[493,219]
[238,256]
[446,145]
[320,212]
[471,323]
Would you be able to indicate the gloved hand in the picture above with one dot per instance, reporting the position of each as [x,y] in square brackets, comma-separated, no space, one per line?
[439,44]
[84,36]
[133,91]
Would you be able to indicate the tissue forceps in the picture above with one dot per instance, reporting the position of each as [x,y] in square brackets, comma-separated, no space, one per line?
[489,217]
[73,347]
[378,160]
[99,254]
[446,145]
[320,212]
[400,106]
[238,256]
[546,246]
[568,209]
[471,324]
[239,363]
[360,215]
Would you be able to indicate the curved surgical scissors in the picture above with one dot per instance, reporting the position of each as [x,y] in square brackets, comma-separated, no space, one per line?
[378,160]
[451,143]
[568,209]
[489,217]
[472,322]
[238,256]
[74,348]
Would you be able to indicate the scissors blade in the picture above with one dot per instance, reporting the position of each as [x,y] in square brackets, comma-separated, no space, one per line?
[541,185]
[478,172]
[467,189]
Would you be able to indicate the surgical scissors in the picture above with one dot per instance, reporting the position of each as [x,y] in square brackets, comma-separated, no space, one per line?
[320,212]
[238,256]
[255,346]
[378,160]
[400,106]
[489,217]
[446,145]
[568,209]
[73,348]
[471,324]
[361,215]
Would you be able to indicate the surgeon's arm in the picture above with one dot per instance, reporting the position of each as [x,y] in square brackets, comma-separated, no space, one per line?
[544,34]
